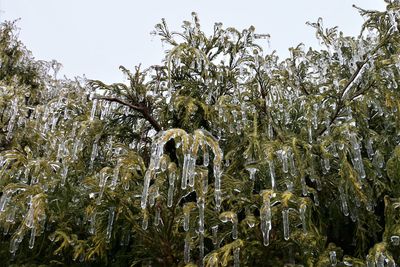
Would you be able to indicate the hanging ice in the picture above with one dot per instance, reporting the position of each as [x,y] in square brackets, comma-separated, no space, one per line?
[332,258]
[13,116]
[236,257]
[187,249]
[252,172]
[302,212]
[285,220]
[272,173]
[201,249]
[214,230]
[145,222]
[32,238]
[93,111]
[200,206]
[343,200]
[157,216]
[231,217]
[110,222]
[265,218]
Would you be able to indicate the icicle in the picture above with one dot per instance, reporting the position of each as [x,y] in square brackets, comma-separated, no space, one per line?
[200,205]
[64,174]
[343,200]
[5,198]
[327,165]
[147,178]
[285,218]
[231,217]
[310,136]
[191,170]
[327,123]
[370,150]
[252,172]
[292,163]
[187,249]
[332,258]
[395,239]
[314,120]
[75,148]
[11,122]
[283,155]
[236,257]
[201,249]
[11,216]
[94,151]
[29,219]
[304,186]
[153,194]
[145,222]
[204,179]
[170,195]
[93,111]
[302,212]
[217,176]
[217,186]
[214,230]
[15,241]
[186,160]
[110,222]
[114,180]
[157,216]
[32,238]
[206,157]
[270,131]
[186,219]
[266,217]
[102,185]
[92,225]
[272,173]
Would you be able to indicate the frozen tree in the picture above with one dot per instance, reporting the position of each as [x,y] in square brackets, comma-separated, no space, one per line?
[223,155]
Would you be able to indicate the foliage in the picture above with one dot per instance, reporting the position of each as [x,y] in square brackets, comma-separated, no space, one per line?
[223,155]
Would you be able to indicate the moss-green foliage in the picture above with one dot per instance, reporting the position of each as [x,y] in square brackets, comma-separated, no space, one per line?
[308,149]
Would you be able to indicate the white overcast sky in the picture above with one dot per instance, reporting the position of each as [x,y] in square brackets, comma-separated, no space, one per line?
[95,37]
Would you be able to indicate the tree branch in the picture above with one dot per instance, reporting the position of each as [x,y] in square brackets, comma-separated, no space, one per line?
[141,108]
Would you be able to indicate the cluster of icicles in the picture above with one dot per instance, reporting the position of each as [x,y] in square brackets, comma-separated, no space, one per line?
[48,120]
[190,148]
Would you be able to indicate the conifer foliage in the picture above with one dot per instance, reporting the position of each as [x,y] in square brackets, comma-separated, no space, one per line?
[223,155]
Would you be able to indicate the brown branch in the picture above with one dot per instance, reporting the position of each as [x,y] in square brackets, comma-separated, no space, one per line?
[141,108]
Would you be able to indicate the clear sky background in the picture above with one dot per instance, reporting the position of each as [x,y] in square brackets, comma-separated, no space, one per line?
[95,37]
